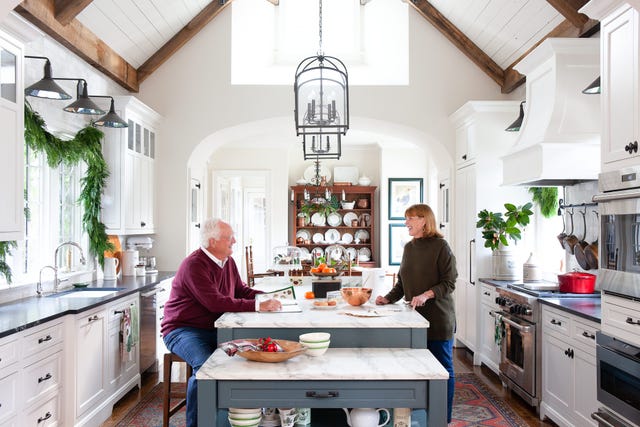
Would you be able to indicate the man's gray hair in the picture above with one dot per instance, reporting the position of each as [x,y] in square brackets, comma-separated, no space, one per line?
[210,230]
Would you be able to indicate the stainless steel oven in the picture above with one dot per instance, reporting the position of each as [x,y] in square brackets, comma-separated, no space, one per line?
[518,360]
[619,208]
[618,365]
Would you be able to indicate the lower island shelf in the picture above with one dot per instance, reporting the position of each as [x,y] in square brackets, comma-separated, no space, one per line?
[341,378]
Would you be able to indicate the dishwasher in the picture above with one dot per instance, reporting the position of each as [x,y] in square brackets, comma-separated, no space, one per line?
[148,333]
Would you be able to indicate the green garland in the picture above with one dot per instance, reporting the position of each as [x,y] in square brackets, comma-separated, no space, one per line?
[547,200]
[5,250]
[85,146]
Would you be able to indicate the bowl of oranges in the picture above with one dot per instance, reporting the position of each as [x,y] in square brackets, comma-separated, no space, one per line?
[324,270]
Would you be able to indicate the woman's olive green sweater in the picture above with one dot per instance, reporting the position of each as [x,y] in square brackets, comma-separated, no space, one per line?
[428,263]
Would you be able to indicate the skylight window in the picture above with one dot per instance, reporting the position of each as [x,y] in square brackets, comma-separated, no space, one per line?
[269,41]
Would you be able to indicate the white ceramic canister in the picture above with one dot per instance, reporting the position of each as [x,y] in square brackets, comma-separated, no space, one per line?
[129,262]
[504,264]
[110,268]
[531,270]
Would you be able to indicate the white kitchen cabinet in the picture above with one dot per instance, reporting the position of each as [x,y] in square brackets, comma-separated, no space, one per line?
[123,369]
[42,375]
[89,360]
[12,140]
[569,381]
[489,351]
[480,136]
[9,380]
[128,200]
[621,318]
[620,77]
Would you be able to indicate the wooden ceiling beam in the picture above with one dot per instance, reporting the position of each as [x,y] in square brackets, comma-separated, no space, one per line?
[183,36]
[79,40]
[569,9]
[564,29]
[67,10]
[461,41]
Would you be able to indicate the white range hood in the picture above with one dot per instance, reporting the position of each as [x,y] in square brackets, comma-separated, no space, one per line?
[559,142]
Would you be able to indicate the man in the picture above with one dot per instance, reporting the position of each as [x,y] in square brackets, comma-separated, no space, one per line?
[206,285]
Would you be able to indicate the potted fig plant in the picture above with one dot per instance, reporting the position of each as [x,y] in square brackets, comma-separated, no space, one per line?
[497,229]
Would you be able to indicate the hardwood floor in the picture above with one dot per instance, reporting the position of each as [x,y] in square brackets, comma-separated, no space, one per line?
[463,362]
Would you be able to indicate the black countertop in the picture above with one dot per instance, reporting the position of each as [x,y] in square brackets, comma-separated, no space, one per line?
[16,316]
[587,308]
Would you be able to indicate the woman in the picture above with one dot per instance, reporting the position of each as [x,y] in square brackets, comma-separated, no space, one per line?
[427,278]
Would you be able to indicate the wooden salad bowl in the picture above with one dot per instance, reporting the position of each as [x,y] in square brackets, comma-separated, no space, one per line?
[291,349]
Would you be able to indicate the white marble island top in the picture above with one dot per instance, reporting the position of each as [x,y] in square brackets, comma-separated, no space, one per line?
[369,315]
[335,364]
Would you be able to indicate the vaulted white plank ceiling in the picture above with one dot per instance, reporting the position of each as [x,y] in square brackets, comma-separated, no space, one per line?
[139,35]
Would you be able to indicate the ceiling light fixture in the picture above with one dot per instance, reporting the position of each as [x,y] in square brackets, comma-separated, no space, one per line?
[82,104]
[593,88]
[321,103]
[515,126]
[111,119]
[46,87]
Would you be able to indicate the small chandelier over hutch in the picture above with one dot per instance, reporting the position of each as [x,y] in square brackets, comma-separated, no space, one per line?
[321,103]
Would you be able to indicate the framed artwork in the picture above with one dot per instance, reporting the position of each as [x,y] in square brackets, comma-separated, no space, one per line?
[403,192]
[398,237]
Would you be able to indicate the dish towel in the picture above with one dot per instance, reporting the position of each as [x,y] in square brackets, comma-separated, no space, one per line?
[126,335]
[499,330]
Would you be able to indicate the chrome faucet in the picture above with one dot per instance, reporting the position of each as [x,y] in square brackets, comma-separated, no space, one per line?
[83,261]
[55,279]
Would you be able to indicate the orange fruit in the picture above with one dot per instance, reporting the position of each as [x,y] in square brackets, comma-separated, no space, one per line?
[309,295]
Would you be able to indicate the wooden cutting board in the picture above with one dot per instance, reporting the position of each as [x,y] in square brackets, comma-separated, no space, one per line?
[117,250]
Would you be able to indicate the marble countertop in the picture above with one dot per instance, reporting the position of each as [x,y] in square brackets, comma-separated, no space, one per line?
[24,313]
[368,315]
[354,363]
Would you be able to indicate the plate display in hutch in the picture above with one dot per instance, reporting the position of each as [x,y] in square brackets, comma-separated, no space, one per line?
[351,227]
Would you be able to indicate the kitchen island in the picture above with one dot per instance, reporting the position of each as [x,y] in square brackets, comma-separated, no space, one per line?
[377,358]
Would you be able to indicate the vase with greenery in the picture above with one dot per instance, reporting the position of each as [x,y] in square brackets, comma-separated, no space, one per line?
[498,228]
[321,206]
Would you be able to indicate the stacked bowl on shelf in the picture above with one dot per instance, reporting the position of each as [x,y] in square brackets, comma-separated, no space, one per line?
[316,343]
[241,417]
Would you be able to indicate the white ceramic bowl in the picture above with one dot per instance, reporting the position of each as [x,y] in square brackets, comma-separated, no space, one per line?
[244,423]
[347,205]
[315,345]
[315,337]
[241,416]
[245,410]
[315,352]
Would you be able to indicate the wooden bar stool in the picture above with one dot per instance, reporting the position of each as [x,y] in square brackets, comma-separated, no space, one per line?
[167,394]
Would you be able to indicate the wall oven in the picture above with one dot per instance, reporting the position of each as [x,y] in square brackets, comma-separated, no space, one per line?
[618,365]
[619,208]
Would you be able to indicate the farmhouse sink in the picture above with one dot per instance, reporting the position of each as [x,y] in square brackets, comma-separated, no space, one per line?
[87,293]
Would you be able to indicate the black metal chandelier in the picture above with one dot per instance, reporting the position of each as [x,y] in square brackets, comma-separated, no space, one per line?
[321,103]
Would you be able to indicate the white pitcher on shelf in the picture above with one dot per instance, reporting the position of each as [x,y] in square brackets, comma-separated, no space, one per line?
[366,417]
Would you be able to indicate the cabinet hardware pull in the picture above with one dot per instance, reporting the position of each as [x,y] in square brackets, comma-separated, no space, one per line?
[47,338]
[92,318]
[118,312]
[322,395]
[45,418]
[632,322]
[487,293]
[569,353]
[441,185]
[464,157]
[45,378]
[556,322]
[632,147]
[143,224]
[441,226]
[588,335]
[197,225]
[596,416]
[471,262]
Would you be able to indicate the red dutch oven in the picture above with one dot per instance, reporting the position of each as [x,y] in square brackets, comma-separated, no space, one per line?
[577,283]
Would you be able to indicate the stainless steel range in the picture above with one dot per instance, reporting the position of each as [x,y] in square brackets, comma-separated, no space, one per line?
[520,315]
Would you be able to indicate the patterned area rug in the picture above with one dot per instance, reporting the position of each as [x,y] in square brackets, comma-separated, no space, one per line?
[474,406]
[148,413]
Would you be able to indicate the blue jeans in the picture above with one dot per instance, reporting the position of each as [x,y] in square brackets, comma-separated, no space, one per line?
[194,346]
[443,351]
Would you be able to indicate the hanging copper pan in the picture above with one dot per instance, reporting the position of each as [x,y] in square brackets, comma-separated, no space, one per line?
[571,240]
[578,248]
[591,251]
[562,234]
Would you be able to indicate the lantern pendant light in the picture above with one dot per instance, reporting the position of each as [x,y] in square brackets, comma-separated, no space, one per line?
[321,103]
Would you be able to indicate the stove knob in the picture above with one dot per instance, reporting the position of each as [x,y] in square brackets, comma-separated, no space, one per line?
[527,311]
[513,309]
[498,299]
